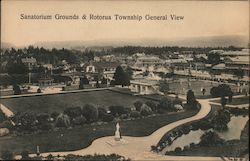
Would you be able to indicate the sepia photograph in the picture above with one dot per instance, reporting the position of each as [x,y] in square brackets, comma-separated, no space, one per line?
[129,80]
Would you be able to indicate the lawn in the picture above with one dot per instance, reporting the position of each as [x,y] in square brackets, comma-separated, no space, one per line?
[182,86]
[58,102]
[237,101]
[81,137]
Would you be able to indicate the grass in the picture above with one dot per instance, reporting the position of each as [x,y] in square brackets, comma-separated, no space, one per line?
[196,87]
[237,101]
[58,102]
[81,137]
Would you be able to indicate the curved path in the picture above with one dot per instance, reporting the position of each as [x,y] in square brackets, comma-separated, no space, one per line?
[138,148]
[6,110]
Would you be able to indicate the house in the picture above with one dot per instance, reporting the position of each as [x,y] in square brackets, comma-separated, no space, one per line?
[233,61]
[144,86]
[29,61]
[108,58]
[238,62]
[198,66]
[107,69]
[45,81]
[97,59]
[178,64]
[147,61]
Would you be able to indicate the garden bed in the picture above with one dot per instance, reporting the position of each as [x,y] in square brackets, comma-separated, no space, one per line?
[82,136]
[232,144]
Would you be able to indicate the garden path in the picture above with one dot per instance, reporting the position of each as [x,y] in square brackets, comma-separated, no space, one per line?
[139,148]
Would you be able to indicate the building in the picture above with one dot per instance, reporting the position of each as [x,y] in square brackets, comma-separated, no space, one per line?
[106,69]
[29,61]
[45,81]
[238,62]
[178,64]
[147,61]
[144,86]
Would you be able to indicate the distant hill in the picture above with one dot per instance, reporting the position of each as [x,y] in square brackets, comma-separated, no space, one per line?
[211,41]
[6,45]
[105,44]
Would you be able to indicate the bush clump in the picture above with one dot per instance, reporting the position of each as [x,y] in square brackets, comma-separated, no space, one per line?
[135,114]
[108,118]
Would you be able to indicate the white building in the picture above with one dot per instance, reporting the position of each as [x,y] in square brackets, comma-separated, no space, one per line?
[144,87]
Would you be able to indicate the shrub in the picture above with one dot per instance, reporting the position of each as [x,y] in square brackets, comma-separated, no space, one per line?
[16,89]
[135,114]
[146,110]
[43,121]
[152,105]
[204,124]
[107,118]
[210,138]
[177,101]
[138,105]
[90,112]
[177,150]
[79,120]
[101,112]
[25,155]
[117,110]
[221,119]
[153,148]
[221,90]
[191,100]
[166,104]
[73,112]
[25,121]
[62,120]
[160,111]
[112,83]
[54,115]
[186,130]
[186,148]
[42,118]
[39,90]
[111,157]
[192,145]
[50,157]
[124,116]
[104,81]
[7,155]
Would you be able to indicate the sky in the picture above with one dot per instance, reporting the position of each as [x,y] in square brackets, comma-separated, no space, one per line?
[201,18]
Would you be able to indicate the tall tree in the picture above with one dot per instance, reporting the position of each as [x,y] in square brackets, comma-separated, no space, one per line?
[83,81]
[223,101]
[164,87]
[191,100]
[16,68]
[121,77]
[16,89]
[213,58]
